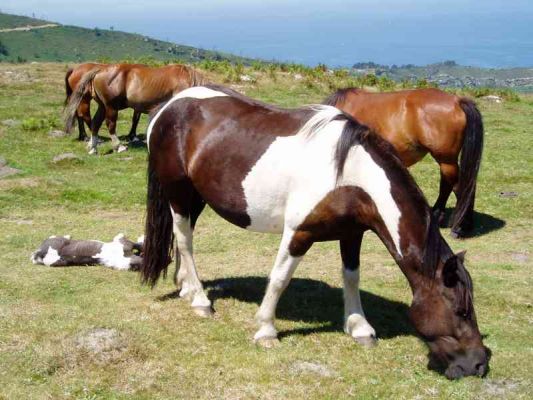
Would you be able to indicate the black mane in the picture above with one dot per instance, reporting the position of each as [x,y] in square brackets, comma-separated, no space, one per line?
[338,97]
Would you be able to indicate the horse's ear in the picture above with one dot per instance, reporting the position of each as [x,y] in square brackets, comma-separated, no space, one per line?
[461,256]
[450,277]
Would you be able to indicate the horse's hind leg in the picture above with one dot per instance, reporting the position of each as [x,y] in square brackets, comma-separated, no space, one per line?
[280,276]
[132,136]
[197,205]
[84,116]
[111,116]
[184,214]
[449,174]
[96,123]
[355,323]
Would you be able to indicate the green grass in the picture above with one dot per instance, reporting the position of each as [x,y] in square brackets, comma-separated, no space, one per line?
[169,352]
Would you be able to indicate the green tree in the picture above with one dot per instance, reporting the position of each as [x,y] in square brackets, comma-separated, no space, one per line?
[3,49]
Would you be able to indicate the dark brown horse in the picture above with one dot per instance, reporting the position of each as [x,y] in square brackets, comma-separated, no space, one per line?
[417,122]
[119,86]
[311,174]
[83,114]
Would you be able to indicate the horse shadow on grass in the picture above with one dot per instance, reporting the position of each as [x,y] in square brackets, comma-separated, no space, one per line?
[315,302]
[483,223]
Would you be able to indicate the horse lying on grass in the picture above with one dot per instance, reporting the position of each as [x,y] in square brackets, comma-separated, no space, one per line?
[62,251]
[310,174]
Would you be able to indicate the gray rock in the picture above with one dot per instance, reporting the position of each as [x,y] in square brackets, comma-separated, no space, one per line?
[11,122]
[65,157]
[6,170]
[57,133]
[101,343]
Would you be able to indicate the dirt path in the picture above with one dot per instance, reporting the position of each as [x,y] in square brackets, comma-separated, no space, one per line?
[28,28]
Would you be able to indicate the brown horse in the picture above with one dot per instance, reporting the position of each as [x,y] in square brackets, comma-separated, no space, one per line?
[72,80]
[119,86]
[311,174]
[417,122]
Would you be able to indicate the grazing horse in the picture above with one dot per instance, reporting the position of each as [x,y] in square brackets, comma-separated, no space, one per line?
[83,113]
[119,86]
[311,174]
[417,122]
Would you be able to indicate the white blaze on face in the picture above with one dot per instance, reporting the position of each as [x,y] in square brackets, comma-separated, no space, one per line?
[197,92]
[51,256]
[362,171]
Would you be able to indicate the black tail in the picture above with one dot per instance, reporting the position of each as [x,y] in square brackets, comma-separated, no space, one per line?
[68,89]
[469,166]
[158,234]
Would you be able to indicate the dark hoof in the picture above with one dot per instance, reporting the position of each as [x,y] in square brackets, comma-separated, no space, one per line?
[367,341]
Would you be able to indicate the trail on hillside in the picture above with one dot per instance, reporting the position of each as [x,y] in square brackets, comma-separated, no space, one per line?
[28,28]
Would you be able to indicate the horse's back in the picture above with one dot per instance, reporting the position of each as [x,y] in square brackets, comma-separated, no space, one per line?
[413,121]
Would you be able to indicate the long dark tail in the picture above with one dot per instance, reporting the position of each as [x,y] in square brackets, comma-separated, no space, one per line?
[158,234]
[469,164]
[68,89]
[76,97]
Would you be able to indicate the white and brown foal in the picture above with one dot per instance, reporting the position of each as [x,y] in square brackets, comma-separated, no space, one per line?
[310,174]
[61,251]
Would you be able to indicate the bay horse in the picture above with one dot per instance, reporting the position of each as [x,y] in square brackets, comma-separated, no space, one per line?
[421,121]
[310,174]
[119,86]
[83,113]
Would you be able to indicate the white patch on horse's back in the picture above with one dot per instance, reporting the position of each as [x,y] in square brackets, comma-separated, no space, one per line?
[362,171]
[112,255]
[51,256]
[292,176]
[196,92]
[297,172]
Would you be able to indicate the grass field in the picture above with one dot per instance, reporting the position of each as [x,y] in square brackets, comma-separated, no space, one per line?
[163,350]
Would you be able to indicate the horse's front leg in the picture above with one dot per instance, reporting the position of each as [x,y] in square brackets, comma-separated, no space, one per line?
[290,252]
[355,323]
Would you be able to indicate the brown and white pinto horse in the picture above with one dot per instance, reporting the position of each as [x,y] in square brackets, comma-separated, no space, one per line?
[417,122]
[119,86]
[310,174]
[83,113]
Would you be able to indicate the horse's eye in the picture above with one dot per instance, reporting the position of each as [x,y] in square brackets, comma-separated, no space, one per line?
[462,313]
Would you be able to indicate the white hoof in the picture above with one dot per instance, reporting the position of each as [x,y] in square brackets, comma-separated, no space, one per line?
[122,148]
[267,342]
[204,312]
[93,151]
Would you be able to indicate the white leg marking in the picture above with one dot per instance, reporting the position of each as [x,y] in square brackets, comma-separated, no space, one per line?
[51,256]
[355,323]
[279,279]
[191,285]
[196,92]
[112,255]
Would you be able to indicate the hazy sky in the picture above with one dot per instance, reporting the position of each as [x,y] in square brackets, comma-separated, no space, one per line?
[484,33]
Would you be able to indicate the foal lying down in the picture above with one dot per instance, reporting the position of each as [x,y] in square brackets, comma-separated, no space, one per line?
[62,251]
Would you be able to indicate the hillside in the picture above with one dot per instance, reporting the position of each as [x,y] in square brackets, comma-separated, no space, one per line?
[75,44]
[451,75]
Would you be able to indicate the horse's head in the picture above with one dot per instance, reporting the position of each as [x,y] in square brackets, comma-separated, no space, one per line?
[443,313]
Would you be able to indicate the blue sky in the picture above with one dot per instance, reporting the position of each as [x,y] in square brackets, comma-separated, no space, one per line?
[490,33]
